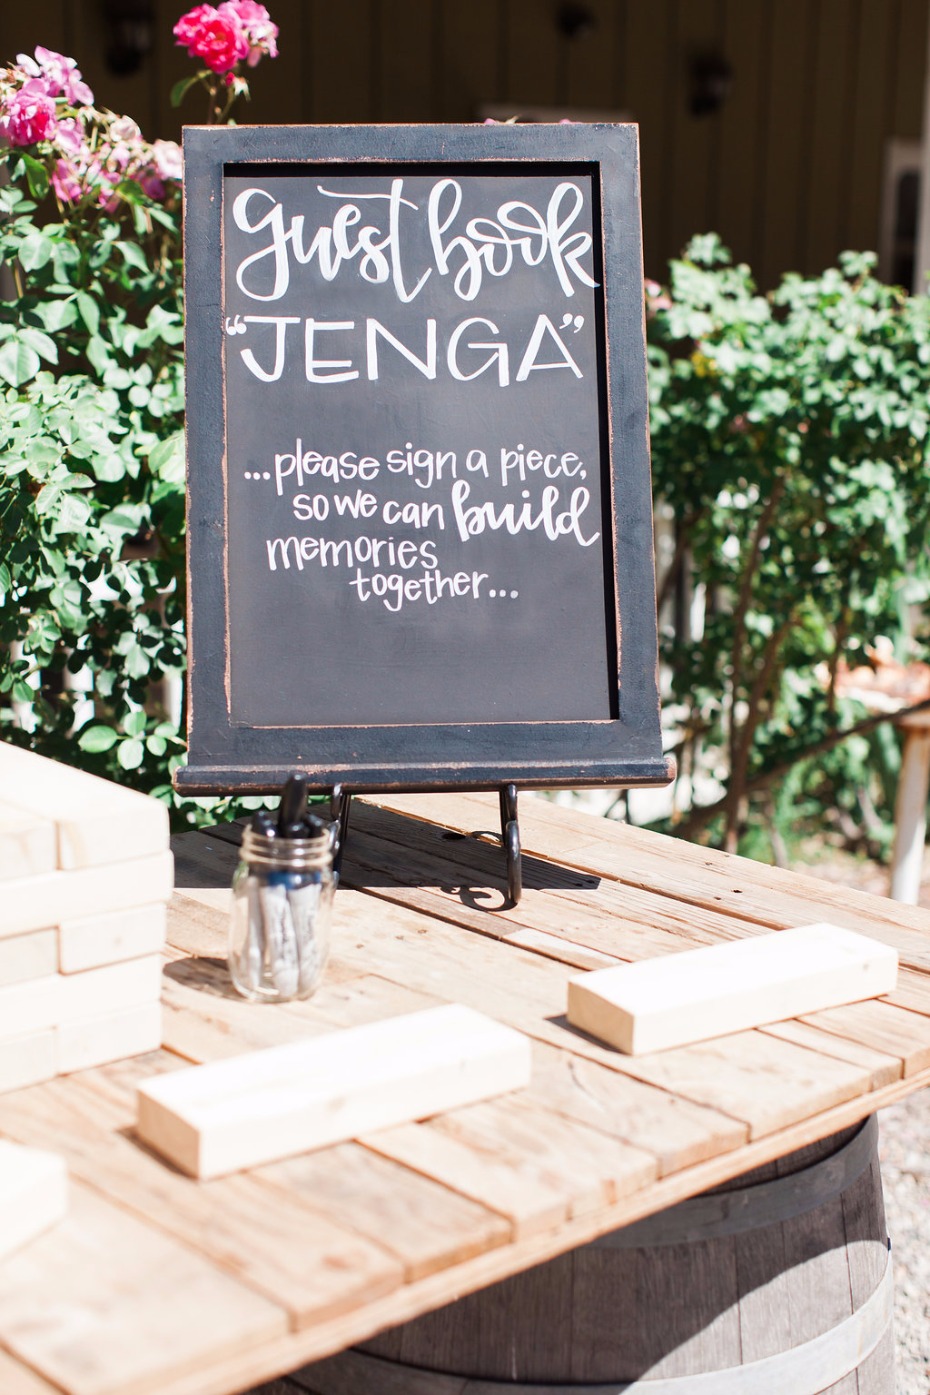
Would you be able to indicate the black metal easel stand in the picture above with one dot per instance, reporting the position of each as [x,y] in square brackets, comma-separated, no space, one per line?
[340,803]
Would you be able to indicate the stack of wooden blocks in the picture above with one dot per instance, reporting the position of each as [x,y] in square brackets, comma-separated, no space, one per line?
[85,875]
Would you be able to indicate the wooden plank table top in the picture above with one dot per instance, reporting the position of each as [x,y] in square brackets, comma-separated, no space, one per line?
[158,1283]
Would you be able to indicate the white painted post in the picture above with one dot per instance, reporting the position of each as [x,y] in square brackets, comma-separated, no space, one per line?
[911,814]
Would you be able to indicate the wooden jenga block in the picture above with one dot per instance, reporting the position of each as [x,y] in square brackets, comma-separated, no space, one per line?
[97,821]
[700,993]
[29,956]
[94,1041]
[33,1194]
[245,1110]
[27,1060]
[67,998]
[111,937]
[28,843]
[35,903]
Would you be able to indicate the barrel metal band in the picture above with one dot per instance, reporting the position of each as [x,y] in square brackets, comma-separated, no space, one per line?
[716,1214]
[807,1369]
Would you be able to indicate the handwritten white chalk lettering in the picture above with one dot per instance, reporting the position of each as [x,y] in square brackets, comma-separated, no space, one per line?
[544,338]
[472,520]
[482,246]
[303,464]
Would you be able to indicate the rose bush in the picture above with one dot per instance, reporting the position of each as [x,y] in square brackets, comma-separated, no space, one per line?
[92,569]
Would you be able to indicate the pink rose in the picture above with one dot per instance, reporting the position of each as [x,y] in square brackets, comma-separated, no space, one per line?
[29,115]
[166,159]
[62,73]
[216,38]
[70,136]
[257,26]
[66,182]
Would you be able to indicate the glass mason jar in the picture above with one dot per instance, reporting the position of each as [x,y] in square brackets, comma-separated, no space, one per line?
[279,925]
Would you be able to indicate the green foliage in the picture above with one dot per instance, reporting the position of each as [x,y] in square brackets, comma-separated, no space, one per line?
[91,477]
[789,437]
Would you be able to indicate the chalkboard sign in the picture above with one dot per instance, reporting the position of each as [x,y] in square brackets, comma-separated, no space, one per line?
[420,535]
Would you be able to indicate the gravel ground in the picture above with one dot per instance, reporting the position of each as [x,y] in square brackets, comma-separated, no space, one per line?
[904,1150]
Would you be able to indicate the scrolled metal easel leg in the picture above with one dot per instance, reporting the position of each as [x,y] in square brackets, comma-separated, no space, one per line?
[340,804]
[510,839]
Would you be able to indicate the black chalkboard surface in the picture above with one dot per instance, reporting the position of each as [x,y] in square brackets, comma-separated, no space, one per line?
[420,535]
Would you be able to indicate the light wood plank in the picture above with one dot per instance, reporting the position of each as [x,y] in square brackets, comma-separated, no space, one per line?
[95,1041]
[33,1194]
[17,1379]
[591,1168]
[126,1331]
[28,843]
[109,938]
[29,956]
[884,1068]
[508,1183]
[219,1118]
[676,1131]
[62,999]
[884,1027]
[751,892]
[281,1245]
[423,1224]
[97,822]
[755,1077]
[27,1060]
[35,903]
[702,993]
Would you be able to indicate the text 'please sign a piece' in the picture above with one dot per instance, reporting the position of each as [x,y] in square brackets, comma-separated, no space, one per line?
[420,526]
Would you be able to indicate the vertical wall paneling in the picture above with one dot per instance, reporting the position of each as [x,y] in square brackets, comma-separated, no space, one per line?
[342,61]
[591,57]
[281,88]
[406,56]
[867,126]
[470,58]
[908,111]
[170,64]
[828,135]
[734,194]
[21,28]
[535,53]
[785,140]
[129,94]
[646,99]
[698,35]
[788,171]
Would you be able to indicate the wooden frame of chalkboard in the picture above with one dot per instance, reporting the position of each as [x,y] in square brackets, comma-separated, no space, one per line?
[419,510]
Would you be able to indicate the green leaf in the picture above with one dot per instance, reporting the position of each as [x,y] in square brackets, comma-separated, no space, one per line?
[125,518]
[131,754]
[89,311]
[36,175]
[18,362]
[42,343]
[35,251]
[73,514]
[180,89]
[97,739]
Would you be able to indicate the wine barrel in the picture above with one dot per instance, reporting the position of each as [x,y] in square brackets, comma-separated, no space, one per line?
[777,1283]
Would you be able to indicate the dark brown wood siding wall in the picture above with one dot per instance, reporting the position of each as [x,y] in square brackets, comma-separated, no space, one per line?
[788,171]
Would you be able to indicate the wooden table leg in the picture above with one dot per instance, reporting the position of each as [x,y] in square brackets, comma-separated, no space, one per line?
[911,815]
